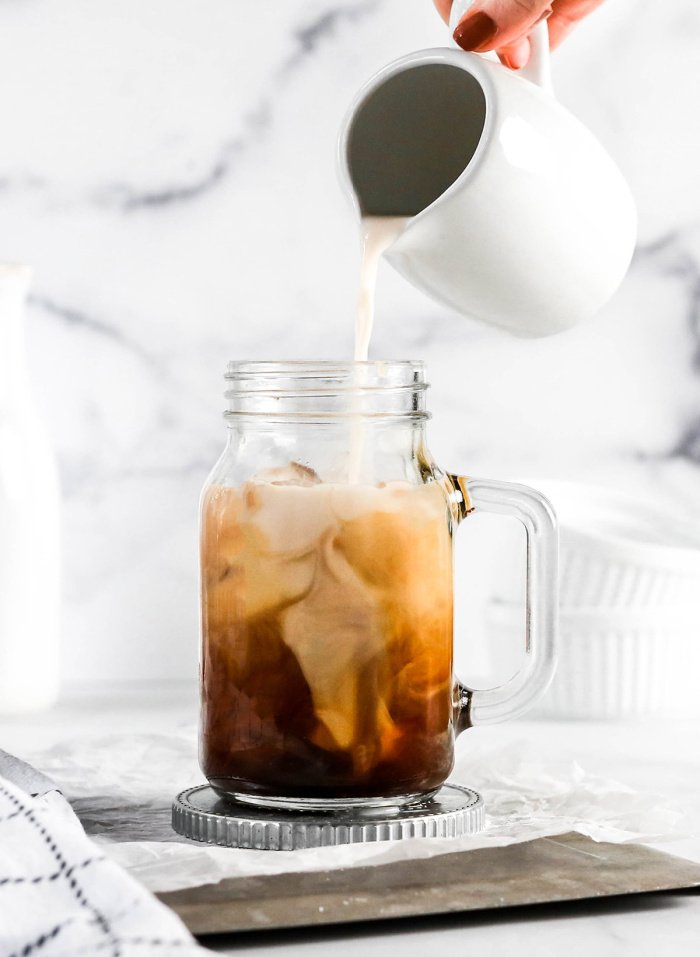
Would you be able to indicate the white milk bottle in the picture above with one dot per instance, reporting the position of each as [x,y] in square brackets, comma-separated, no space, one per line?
[29,522]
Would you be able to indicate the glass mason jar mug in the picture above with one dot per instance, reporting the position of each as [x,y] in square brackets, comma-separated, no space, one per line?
[327,594]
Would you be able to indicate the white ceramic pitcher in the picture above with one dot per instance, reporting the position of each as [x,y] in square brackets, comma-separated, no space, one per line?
[518,216]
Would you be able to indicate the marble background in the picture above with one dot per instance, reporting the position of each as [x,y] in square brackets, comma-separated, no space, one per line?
[168,169]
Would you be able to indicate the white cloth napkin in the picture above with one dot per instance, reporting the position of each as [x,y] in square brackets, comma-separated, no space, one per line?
[59,895]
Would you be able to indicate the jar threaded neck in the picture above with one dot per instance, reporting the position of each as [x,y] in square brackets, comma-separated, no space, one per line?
[326,389]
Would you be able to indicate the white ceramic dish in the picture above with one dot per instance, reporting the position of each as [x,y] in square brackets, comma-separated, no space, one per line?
[617,664]
[618,551]
[629,606]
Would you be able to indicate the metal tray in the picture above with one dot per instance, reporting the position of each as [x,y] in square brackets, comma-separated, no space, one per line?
[564,868]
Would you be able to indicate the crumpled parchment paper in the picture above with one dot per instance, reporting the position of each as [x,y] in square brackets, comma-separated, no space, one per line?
[122,788]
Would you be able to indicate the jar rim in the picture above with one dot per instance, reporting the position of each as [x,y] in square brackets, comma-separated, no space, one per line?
[318,368]
[326,389]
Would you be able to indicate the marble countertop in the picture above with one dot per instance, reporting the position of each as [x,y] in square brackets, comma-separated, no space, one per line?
[171,176]
[645,755]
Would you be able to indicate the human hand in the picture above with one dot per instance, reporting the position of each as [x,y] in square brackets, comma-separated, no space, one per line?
[503,25]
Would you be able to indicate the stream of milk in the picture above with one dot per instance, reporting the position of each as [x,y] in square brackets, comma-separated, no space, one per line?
[378,234]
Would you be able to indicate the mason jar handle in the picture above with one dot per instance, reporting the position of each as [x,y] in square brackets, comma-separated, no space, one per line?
[538,68]
[532,509]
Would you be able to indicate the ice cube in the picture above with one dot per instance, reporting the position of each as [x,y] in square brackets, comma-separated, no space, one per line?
[292,474]
[290,518]
[257,557]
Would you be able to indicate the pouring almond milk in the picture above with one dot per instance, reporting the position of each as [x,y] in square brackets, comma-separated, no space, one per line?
[378,234]
[484,192]
[327,527]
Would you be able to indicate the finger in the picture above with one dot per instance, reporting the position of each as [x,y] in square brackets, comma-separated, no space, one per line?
[494,24]
[443,8]
[515,55]
[565,15]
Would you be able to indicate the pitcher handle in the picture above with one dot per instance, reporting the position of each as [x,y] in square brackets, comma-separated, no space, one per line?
[532,509]
[538,68]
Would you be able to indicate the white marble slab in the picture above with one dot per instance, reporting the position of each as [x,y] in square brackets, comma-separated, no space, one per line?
[168,167]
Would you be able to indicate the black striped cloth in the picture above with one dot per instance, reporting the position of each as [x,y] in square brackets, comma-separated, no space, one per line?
[59,896]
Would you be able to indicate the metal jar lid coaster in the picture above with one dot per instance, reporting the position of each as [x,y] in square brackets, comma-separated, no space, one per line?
[202,815]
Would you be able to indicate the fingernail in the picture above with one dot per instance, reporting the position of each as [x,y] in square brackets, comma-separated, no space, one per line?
[475,31]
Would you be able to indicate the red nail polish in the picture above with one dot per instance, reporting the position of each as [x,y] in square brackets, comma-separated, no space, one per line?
[475,31]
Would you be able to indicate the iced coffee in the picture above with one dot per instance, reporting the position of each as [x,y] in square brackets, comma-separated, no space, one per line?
[327,638]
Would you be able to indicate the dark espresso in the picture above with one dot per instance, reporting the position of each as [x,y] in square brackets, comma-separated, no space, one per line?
[327,639]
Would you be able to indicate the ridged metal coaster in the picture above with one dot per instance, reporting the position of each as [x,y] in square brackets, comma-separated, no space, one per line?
[200,814]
